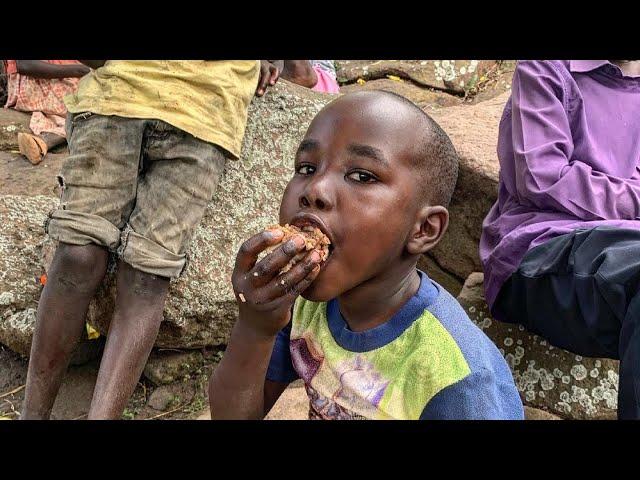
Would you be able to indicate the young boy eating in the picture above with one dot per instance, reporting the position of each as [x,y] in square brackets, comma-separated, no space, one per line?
[370,335]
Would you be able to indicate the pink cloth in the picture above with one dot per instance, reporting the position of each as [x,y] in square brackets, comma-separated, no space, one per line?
[42,96]
[326,83]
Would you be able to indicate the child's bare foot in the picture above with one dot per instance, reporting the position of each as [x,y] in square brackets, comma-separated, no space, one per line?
[35,147]
[32,147]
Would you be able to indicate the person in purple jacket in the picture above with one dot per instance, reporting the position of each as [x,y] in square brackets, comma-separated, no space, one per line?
[561,246]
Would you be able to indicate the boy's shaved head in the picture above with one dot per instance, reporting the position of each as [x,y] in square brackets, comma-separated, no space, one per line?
[433,154]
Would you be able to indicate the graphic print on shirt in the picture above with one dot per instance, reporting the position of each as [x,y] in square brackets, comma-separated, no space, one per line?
[394,381]
[358,383]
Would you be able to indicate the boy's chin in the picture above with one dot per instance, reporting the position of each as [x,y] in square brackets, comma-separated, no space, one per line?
[318,292]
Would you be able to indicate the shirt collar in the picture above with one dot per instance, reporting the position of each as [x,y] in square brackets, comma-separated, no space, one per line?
[586,65]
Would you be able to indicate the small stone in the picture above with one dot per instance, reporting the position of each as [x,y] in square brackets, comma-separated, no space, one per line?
[161,398]
[167,367]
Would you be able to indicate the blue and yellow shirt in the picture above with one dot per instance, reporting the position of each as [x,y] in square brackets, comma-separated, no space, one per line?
[429,361]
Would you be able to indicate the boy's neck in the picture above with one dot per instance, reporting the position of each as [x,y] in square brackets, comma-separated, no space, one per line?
[375,301]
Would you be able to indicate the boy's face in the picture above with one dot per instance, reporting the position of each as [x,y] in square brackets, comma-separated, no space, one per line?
[355,181]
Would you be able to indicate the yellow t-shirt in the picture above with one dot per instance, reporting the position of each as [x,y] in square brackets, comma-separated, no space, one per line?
[208,99]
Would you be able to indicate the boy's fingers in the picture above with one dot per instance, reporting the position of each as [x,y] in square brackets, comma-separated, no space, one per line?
[249,250]
[290,282]
[265,74]
[302,285]
[275,74]
[270,266]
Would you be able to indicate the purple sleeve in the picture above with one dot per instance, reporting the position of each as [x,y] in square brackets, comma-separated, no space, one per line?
[543,145]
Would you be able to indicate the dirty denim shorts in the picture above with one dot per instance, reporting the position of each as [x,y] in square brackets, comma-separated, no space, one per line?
[135,186]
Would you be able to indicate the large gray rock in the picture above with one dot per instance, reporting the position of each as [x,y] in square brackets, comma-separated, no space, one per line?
[21,269]
[426,98]
[450,282]
[201,307]
[456,76]
[531,413]
[474,132]
[21,239]
[12,123]
[548,378]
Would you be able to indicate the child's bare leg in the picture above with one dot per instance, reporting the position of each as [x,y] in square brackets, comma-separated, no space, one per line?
[74,276]
[52,140]
[133,331]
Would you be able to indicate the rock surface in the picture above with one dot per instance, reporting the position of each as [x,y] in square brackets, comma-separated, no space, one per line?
[201,306]
[455,76]
[167,367]
[473,129]
[548,378]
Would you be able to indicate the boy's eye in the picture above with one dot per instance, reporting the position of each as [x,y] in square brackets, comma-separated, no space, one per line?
[362,177]
[305,169]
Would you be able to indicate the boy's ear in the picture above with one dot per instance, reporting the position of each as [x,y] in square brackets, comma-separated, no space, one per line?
[430,226]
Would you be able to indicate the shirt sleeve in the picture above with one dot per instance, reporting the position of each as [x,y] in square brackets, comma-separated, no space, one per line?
[547,175]
[478,396]
[280,366]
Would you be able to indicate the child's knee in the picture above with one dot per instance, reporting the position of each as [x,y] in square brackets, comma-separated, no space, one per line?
[140,283]
[80,267]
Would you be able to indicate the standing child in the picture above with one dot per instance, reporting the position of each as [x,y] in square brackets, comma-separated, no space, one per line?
[148,142]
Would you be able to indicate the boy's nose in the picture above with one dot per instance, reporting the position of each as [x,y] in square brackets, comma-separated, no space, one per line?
[318,203]
[316,195]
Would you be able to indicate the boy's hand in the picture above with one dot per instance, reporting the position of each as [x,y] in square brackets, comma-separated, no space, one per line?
[269,74]
[264,297]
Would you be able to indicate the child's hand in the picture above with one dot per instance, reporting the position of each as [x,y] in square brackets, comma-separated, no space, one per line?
[269,74]
[264,297]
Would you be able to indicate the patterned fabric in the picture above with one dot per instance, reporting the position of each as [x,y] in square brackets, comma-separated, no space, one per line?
[373,384]
[44,97]
[326,66]
[326,83]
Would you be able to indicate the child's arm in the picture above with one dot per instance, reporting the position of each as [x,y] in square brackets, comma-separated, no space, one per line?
[300,72]
[93,63]
[41,69]
[542,146]
[238,387]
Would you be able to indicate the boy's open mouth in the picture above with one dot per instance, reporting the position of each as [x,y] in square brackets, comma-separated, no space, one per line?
[308,222]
